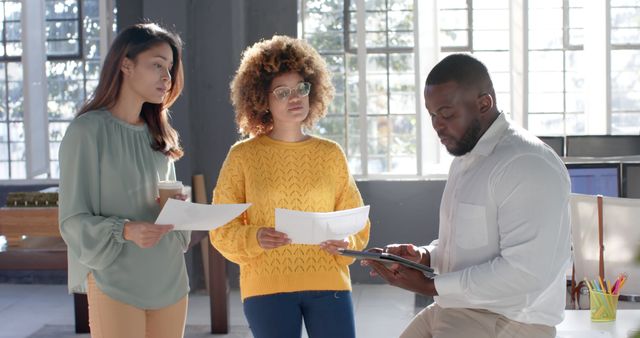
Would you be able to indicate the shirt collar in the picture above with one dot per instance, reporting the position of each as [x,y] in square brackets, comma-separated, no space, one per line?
[490,138]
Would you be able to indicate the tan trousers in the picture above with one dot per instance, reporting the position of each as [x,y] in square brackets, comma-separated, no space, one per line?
[109,318]
[438,322]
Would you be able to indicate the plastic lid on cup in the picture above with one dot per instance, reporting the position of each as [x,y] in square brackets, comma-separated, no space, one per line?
[170,185]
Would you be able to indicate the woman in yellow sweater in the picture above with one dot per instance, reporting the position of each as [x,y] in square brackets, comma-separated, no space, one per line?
[280,90]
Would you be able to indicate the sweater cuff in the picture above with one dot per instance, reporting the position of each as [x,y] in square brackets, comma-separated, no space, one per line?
[449,283]
[117,229]
[253,247]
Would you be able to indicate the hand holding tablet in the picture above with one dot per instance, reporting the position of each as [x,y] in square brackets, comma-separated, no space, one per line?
[385,257]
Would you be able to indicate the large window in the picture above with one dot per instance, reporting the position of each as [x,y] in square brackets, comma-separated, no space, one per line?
[535,52]
[390,121]
[11,125]
[556,81]
[625,62]
[481,28]
[72,43]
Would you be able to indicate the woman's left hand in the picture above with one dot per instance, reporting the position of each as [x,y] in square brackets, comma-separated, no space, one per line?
[331,246]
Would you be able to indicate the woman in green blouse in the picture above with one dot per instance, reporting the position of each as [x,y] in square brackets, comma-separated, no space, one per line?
[111,158]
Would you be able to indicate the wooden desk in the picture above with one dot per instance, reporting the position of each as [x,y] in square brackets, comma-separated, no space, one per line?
[36,222]
[43,222]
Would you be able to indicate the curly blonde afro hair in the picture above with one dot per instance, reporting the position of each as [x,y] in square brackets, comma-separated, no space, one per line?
[264,61]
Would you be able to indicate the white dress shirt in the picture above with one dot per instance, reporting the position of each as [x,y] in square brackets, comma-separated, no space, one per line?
[504,237]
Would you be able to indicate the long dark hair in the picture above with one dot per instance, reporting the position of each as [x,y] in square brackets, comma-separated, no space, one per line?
[129,43]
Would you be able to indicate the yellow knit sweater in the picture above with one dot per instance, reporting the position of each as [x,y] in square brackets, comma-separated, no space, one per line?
[311,175]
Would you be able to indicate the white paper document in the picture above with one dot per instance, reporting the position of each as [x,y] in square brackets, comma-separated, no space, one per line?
[316,227]
[193,216]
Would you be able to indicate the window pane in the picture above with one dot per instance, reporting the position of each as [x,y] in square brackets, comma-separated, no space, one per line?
[54,148]
[353,150]
[324,22]
[375,22]
[545,61]
[15,100]
[54,169]
[378,144]
[625,23]
[454,38]
[541,82]
[17,151]
[545,18]
[545,39]
[324,5]
[400,20]
[401,5]
[59,30]
[4,151]
[625,123]
[18,170]
[625,87]
[546,124]
[337,106]
[401,39]
[453,4]
[488,4]
[491,40]
[453,19]
[491,19]
[403,135]
[546,102]
[333,128]
[326,42]
[4,170]
[575,124]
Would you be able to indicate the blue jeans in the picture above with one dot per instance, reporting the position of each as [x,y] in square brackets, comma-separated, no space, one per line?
[325,314]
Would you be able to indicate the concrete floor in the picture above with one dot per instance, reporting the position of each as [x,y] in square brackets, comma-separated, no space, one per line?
[45,311]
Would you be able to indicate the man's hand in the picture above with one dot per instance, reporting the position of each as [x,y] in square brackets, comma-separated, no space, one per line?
[404,277]
[269,238]
[144,234]
[331,246]
[410,252]
[399,275]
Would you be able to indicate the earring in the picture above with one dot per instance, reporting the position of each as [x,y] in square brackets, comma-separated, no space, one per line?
[266,118]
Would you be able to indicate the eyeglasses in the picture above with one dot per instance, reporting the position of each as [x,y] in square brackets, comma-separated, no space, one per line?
[302,89]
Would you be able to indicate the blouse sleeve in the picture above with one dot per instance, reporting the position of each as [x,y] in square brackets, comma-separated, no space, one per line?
[94,239]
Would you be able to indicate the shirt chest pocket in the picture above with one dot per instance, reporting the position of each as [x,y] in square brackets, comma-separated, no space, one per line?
[470,226]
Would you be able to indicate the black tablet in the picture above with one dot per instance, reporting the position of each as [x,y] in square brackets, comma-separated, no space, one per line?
[388,258]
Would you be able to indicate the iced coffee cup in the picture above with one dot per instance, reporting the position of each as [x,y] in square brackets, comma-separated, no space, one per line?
[168,189]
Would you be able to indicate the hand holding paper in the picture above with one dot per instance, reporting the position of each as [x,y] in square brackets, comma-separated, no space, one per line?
[316,227]
[193,216]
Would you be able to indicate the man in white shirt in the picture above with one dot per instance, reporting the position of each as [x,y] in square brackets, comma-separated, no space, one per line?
[504,238]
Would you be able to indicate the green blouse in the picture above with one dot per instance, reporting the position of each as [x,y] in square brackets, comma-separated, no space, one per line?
[108,176]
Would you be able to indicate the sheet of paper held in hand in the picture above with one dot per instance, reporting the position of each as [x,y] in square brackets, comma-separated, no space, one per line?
[194,216]
[316,227]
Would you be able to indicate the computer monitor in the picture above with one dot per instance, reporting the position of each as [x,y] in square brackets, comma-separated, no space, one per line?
[602,145]
[555,142]
[631,180]
[601,178]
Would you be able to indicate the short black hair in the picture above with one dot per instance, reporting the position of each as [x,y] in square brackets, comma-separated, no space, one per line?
[463,69]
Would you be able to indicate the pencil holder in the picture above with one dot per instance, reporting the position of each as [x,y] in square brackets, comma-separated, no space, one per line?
[603,306]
